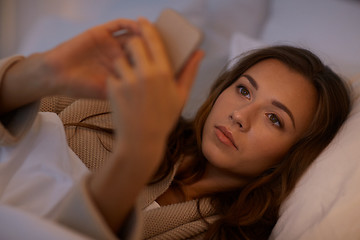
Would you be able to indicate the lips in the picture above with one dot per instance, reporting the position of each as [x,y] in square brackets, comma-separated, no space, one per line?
[225,136]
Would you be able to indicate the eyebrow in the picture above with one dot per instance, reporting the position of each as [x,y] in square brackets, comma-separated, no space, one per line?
[251,80]
[285,109]
[275,103]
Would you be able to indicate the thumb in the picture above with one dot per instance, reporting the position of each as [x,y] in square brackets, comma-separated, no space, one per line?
[115,94]
[188,74]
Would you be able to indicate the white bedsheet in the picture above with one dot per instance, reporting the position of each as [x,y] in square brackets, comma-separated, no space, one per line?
[35,175]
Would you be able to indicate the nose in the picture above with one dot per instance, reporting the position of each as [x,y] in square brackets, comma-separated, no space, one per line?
[242,117]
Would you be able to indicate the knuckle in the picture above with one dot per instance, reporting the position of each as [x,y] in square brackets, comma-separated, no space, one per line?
[147,73]
[163,72]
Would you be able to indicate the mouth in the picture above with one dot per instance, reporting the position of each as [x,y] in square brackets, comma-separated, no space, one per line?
[225,136]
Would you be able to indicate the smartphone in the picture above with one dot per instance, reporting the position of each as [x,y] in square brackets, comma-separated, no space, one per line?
[180,37]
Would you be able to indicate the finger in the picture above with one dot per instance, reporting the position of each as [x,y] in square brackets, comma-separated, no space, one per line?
[115,94]
[138,54]
[155,44]
[124,70]
[111,82]
[188,74]
[121,24]
[123,38]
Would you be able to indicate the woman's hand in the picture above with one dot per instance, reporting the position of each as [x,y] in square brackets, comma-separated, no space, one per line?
[146,97]
[147,101]
[81,66]
[78,67]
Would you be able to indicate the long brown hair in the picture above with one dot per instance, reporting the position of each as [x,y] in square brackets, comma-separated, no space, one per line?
[251,212]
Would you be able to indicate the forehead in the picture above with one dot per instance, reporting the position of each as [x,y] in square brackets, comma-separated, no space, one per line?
[276,81]
[273,72]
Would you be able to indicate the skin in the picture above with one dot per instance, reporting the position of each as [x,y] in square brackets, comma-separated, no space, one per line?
[261,130]
[95,64]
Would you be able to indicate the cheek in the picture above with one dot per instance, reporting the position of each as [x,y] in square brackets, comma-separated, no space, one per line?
[216,155]
[267,145]
[272,149]
[206,147]
[214,115]
[213,151]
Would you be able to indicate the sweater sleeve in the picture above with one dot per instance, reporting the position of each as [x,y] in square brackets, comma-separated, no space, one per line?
[15,124]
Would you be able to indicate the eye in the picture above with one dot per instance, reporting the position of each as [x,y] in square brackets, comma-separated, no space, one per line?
[274,120]
[244,91]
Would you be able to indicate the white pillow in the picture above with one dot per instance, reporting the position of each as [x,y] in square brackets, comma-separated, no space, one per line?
[325,202]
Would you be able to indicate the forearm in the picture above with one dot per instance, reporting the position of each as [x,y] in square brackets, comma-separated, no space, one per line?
[116,189]
[24,82]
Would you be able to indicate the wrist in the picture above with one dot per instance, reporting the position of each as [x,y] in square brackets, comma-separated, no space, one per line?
[140,159]
[25,81]
[42,75]
[32,72]
[126,174]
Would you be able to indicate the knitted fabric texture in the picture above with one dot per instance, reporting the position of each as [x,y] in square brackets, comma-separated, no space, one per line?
[176,221]
[91,146]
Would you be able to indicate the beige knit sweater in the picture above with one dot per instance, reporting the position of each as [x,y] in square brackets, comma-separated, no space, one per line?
[178,221]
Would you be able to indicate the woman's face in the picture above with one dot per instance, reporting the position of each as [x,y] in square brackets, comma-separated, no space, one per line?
[256,120]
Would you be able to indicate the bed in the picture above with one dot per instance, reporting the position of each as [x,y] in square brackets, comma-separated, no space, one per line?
[324,204]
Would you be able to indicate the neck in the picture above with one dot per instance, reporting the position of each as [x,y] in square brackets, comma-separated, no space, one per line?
[214,180]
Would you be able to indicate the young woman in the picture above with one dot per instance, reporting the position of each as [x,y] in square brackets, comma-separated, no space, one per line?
[266,119]
[224,174]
